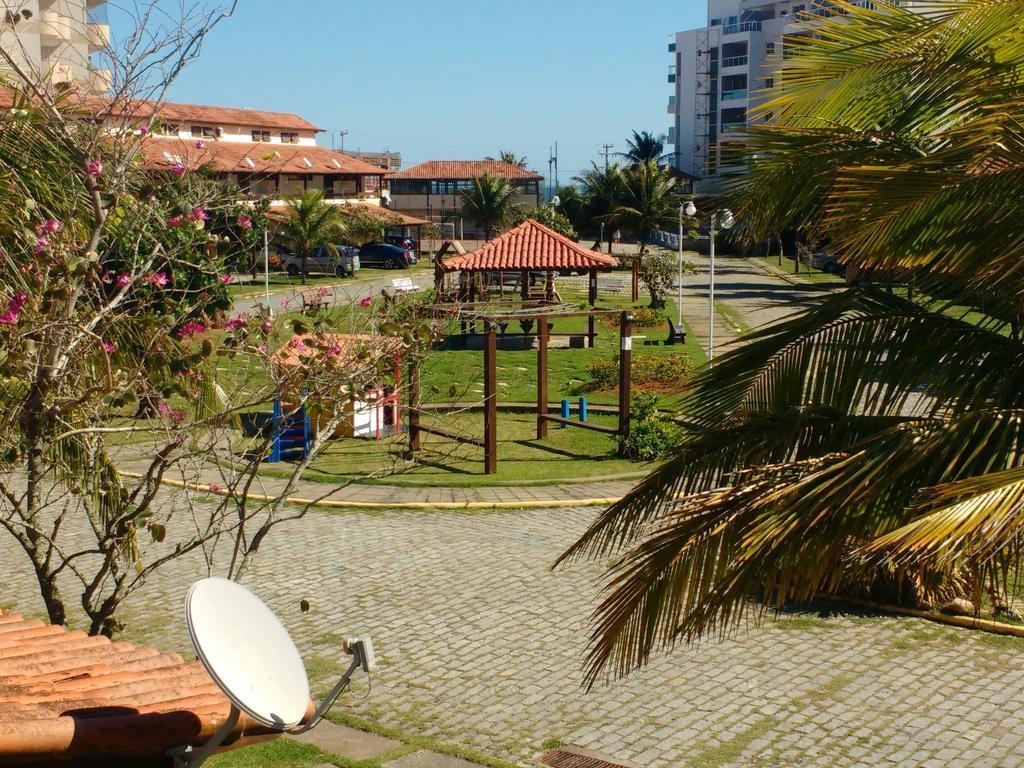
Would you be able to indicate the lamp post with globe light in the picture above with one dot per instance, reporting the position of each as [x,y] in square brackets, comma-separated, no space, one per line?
[722,219]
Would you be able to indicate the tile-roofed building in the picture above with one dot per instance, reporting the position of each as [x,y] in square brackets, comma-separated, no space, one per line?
[431,190]
[530,247]
[70,699]
[264,169]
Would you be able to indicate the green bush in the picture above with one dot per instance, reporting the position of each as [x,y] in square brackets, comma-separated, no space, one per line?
[649,370]
[650,432]
[643,317]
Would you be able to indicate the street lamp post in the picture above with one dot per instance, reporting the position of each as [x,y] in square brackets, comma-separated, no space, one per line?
[266,268]
[724,220]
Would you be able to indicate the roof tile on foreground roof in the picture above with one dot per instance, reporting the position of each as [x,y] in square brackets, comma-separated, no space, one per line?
[529,246]
[465,169]
[66,696]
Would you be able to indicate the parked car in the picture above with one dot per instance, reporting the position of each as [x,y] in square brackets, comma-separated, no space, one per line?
[324,261]
[402,242]
[827,262]
[386,256]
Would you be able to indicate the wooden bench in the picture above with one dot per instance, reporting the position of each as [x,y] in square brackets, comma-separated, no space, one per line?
[404,285]
[676,335]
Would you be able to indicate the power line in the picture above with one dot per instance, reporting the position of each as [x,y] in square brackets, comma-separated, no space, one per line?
[607,148]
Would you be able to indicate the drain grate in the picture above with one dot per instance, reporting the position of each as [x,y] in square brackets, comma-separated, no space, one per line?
[575,757]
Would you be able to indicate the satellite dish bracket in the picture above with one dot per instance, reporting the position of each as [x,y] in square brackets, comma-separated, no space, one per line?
[192,757]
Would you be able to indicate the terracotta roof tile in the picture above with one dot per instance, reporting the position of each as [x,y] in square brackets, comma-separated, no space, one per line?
[246,157]
[533,247]
[465,169]
[176,113]
[67,696]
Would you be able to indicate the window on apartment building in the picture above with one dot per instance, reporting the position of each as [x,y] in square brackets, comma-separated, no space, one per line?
[261,135]
[204,132]
[769,49]
[769,82]
[289,137]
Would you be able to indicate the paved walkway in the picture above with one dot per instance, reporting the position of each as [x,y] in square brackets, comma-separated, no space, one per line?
[481,644]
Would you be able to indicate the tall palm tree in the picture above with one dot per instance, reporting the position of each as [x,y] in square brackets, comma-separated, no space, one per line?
[871,443]
[311,221]
[602,188]
[649,201]
[488,202]
[644,147]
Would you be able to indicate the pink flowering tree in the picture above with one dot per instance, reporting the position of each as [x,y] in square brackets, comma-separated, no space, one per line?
[121,366]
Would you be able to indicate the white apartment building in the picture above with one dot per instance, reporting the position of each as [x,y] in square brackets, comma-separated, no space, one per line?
[58,39]
[721,71]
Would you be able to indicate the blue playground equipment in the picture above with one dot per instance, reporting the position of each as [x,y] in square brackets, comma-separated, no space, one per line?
[567,410]
[293,436]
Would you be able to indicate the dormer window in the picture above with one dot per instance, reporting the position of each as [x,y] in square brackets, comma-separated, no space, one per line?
[261,135]
[289,137]
[204,132]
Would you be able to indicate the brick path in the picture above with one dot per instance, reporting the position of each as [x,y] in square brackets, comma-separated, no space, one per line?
[480,644]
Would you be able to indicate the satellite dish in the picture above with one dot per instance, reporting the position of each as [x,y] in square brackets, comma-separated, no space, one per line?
[556,201]
[248,653]
[251,657]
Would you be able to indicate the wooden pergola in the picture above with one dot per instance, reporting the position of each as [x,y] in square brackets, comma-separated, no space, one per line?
[528,248]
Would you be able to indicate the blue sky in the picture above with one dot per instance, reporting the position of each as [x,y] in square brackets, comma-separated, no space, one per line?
[444,79]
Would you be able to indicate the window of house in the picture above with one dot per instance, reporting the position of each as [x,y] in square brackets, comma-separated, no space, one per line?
[163,129]
[204,132]
[261,135]
[442,187]
[289,138]
[371,183]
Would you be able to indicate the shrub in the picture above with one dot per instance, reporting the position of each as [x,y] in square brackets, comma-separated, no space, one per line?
[650,370]
[643,317]
[650,432]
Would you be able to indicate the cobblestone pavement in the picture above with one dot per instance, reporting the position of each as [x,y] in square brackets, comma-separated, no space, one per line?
[480,643]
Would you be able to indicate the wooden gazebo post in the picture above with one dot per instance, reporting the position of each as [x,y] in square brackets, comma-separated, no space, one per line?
[625,375]
[542,377]
[490,399]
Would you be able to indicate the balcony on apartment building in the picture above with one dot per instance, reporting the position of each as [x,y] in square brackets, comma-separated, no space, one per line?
[672,104]
[672,73]
[54,26]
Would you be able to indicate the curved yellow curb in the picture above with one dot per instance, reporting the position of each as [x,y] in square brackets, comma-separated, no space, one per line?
[444,505]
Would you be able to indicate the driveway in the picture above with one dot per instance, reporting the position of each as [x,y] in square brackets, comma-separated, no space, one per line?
[481,644]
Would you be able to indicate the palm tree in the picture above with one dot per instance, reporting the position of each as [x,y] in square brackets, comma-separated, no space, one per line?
[510,157]
[871,443]
[573,205]
[648,202]
[602,188]
[644,147]
[489,202]
[310,221]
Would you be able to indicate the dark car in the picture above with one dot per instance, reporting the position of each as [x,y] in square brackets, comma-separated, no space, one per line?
[386,256]
[402,242]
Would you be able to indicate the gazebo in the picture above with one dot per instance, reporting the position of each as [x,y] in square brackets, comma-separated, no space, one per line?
[528,248]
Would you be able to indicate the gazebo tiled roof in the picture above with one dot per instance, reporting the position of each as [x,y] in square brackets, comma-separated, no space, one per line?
[69,698]
[529,247]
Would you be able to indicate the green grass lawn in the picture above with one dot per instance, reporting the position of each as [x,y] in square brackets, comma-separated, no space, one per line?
[806,273]
[567,454]
[246,287]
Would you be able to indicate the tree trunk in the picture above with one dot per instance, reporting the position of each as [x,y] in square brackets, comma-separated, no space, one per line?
[302,267]
[50,592]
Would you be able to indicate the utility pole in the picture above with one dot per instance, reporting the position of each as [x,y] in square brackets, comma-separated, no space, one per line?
[556,167]
[551,162]
[607,148]
[343,134]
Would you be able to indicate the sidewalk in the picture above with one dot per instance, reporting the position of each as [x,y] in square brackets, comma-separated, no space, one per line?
[366,496]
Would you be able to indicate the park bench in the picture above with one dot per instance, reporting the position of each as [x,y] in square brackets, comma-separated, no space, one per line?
[676,335]
[404,285]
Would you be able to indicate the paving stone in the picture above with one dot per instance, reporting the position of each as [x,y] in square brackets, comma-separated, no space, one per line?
[424,759]
[347,742]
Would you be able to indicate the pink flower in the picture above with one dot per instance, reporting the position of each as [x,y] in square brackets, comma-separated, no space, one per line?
[14,307]
[106,277]
[42,243]
[200,144]
[108,347]
[174,222]
[191,328]
[50,226]
[262,348]
[214,488]
[245,222]
[298,344]
[165,410]
[95,168]
[226,279]
[235,323]
[366,302]
[157,279]
[198,214]
[334,350]
[285,303]
[143,130]
[267,325]
[124,280]
[178,170]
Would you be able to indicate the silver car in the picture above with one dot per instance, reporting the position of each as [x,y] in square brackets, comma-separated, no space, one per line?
[323,261]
